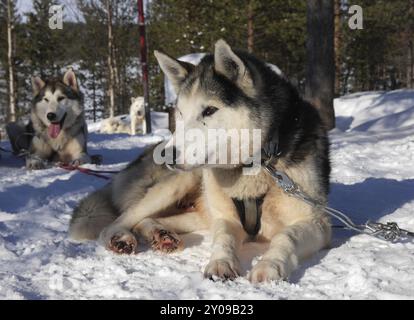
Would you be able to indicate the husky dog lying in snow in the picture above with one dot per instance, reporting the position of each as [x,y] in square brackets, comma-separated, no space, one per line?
[229,90]
[57,130]
[117,124]
[120,125]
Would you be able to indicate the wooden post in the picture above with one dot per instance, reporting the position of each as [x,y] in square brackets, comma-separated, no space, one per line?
[171,118]
[144,65]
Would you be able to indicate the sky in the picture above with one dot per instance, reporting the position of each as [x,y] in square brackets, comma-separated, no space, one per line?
[70,10]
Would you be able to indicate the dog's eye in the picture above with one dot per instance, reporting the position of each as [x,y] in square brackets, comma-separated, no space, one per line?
[209,111]
[46,99]
[60,99]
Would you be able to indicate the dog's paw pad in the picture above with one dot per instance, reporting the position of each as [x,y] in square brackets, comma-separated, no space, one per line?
[222,270]
[166,241]
[35,164]
[267,271]
[125,244]
[76,163]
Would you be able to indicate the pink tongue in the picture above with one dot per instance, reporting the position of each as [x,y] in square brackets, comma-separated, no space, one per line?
[54,130]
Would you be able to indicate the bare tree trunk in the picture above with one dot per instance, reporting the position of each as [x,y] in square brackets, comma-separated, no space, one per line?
[250,27]
[117,81]
[94,94]
[410,57]
[10,61]
[111,84]
[337,45]
[115,55]
[320,64]
[410,71]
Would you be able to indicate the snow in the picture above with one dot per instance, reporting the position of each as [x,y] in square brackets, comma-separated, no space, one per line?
[373,178]
[376,111]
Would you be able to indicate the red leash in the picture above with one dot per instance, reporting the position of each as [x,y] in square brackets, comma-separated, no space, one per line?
[96,173]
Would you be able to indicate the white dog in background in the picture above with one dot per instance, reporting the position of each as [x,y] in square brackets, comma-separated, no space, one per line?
[122,125]
[137,115]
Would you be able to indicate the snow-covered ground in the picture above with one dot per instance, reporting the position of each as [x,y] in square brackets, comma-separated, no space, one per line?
[373,178]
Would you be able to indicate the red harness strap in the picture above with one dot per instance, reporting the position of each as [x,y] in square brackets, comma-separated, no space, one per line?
[87,171]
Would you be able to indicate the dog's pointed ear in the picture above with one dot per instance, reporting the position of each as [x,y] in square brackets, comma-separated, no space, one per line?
[176,71]
[227,63]
[37,85]
[132,99]
[70,79]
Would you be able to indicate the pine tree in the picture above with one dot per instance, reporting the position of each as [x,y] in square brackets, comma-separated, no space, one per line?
[273,30]
[126,45]
[93,52]
[120,76]
[376,57]
[10,60]
[43,46]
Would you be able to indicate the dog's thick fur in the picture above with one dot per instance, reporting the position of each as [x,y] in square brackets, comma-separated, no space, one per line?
[122,125]
[63,99]
[143,199]
[137,115]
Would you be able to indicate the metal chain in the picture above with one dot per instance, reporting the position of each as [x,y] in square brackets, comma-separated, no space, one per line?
[389,231]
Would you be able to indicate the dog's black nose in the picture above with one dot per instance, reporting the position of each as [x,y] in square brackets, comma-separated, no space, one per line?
[51,116]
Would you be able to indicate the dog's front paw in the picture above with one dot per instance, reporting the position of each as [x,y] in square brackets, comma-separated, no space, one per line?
[123,244]
[81,160]
[266,271]
[222,269]
[120,242]
[35,163]
[166,241]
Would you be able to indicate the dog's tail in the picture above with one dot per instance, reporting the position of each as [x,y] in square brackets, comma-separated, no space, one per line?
[92,215]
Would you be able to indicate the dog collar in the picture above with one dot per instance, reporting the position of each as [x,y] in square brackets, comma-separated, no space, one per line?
[271,149]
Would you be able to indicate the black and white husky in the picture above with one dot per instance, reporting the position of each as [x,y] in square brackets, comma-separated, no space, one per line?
[57,130]
[228,90]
